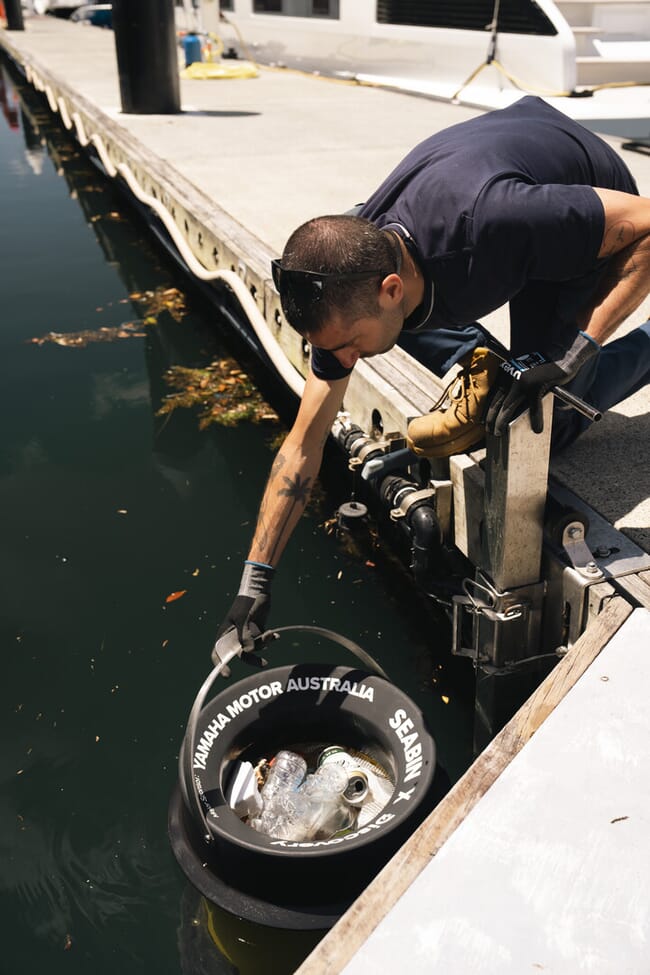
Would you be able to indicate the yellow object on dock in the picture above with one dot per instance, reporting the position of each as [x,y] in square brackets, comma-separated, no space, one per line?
[208,70]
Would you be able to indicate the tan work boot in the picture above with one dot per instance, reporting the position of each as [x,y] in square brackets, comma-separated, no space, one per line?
[455,422]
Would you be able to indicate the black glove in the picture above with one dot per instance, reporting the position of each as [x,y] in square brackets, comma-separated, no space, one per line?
[247,615]
[524,382]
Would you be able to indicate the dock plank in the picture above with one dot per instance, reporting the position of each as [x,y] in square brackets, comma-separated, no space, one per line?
[340,944]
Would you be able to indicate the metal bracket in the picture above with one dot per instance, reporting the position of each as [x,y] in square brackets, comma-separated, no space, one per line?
[408,500]
[578,552]
[366,453]
[440,493]
[482,599]
[504,624]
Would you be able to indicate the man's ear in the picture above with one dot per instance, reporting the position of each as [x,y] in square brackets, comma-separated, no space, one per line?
[391,291]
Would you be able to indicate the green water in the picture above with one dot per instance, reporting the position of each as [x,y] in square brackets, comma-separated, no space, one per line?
[108,508]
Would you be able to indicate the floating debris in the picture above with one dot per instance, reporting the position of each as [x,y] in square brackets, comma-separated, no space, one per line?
[173,596]
[153,303]
[79,340]
[161,299]
[223,393]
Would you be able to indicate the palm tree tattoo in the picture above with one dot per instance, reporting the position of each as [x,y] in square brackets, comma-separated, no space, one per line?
[298,490]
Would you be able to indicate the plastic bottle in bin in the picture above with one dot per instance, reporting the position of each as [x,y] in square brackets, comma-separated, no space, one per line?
[326,812]
[285,775]
[279,796]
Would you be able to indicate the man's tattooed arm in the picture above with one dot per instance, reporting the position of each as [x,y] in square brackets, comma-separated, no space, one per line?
[295,469]
[625,281]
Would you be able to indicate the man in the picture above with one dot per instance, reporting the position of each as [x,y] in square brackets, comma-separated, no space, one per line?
[522,206]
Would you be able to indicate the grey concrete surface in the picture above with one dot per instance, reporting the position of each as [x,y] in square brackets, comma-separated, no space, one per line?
[278,149]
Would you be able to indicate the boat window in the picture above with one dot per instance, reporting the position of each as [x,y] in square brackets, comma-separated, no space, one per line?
[298,8]
[227,5]
[515,16]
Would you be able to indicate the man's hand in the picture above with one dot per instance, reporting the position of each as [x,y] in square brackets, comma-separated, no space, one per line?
[248,614]
[524,382]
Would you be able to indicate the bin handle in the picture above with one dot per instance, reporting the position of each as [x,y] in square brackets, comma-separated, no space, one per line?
[226,653]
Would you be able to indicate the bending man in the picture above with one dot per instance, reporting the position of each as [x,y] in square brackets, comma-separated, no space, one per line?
[521,206]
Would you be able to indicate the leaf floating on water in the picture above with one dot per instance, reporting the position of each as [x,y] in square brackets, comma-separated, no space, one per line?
[79,340]
[445,699]
[173,596]
[161,299]
[221,391]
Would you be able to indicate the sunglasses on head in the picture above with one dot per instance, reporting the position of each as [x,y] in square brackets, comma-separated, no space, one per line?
[307,286]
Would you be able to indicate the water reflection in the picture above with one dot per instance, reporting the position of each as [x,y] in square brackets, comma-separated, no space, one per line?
[109,507]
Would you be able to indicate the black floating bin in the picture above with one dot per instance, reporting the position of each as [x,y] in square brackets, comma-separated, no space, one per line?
[281,883]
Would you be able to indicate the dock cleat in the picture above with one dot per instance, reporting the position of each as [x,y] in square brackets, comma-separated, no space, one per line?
[455,423]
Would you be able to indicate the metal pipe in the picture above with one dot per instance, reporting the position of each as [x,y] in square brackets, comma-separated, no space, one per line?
[578,404]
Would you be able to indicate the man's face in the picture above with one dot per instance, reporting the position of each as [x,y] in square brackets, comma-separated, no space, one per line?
[361,338]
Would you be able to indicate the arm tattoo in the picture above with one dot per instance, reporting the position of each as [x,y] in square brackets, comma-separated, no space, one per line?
[294,488]
[298,491]
[618,236]
[278,464]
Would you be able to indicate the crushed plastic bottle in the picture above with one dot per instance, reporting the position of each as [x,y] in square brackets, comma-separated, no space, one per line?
[287,771]
[303,808]
[325,811]
[347,789]
[278,816]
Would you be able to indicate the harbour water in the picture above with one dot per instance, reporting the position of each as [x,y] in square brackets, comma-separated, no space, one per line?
[124,530]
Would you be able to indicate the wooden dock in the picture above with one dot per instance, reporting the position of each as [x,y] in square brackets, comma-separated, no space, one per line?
[535,859]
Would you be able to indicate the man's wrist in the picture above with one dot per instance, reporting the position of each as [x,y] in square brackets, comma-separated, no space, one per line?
[591,338]
[256,579]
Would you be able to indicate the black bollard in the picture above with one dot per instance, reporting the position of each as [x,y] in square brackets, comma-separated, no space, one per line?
[14,13]
[147,58]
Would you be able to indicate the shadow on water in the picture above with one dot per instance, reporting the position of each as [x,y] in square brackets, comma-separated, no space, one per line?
[110,509]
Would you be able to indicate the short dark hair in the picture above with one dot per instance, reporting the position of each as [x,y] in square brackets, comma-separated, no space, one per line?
[338,244]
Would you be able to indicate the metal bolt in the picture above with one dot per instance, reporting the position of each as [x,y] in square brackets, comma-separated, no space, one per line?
[575,531]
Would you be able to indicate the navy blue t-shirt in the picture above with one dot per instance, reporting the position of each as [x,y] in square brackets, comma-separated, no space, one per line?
[493,204]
